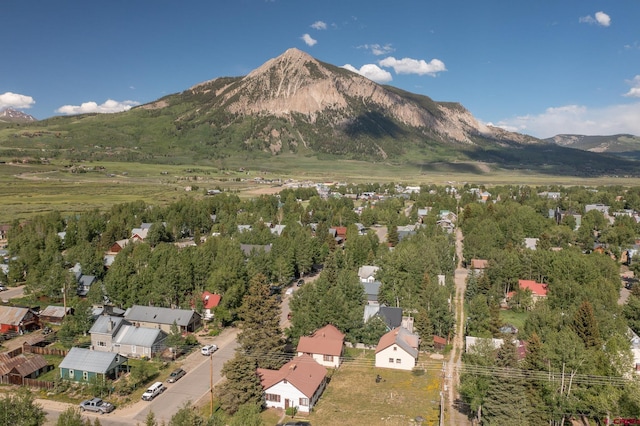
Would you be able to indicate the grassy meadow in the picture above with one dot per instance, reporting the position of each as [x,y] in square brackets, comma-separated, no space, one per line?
[398,399]
[29,189]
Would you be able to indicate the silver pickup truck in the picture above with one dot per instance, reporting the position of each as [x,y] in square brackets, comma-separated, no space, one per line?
[96,405]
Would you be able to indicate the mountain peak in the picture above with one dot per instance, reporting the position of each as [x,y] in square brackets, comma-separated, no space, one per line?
[11,115]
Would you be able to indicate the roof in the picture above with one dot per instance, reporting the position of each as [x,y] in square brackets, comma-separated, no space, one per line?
[101,326]
[11,315]
[210,300]
[140,336]
[372,289]
[88,360]
[367,271]
[479,263]
[327,340]
[401,337]
[392,316]
[54,311]
[536,288]
[22,364]
[247,249]
[182,317]
[302,372]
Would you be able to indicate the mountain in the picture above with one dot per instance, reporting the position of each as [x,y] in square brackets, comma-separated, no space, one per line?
[625,146]
[293,107]
[10,115]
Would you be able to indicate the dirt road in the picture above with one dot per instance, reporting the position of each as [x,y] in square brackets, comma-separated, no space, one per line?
[453,365]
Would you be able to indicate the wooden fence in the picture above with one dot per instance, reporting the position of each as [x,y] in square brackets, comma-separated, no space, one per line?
[32,383]
[44,351]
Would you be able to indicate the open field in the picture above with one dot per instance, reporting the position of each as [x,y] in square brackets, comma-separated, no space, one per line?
[354,398]
[28,189]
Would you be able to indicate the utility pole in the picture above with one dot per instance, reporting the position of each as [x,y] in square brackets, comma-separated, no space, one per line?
[211,384]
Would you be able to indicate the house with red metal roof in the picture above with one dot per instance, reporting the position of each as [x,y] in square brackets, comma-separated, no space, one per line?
[209,301]
[538,290]
[398,349]
[325,346]
[299,384]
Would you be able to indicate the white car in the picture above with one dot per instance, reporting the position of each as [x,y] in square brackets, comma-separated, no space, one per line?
[208,350]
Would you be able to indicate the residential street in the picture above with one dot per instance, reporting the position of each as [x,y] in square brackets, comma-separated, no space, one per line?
[454,364]
[193,387]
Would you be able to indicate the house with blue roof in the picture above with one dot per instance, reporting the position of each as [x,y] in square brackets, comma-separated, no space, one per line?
[85,365]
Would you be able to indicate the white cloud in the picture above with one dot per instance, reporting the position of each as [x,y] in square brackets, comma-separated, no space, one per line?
[577,119]
[319,25]
[378,49]
[600,18]
[372,72]
[15,100]
[308,40]
[634,92]
[110,106]
[414,66]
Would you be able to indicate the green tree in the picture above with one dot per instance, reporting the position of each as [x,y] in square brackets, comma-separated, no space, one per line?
[586,326]
[242,384]
[247,415]
[72,417]
[261,337]
[20,409]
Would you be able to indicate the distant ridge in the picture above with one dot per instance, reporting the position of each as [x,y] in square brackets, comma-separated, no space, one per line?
[295,106]
[622,145]
[10,115]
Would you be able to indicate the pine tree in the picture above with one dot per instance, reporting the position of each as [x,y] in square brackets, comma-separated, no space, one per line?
[261,337]
[242,385]
[585,325]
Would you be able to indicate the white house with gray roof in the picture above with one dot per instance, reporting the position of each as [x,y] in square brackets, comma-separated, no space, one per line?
[187,320]
[115,334]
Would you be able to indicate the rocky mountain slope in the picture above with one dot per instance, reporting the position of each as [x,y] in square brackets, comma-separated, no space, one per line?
[295,106]
[10,115]
[625,146]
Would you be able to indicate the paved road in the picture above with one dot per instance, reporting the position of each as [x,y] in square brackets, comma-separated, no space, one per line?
[193,387]
[12,293]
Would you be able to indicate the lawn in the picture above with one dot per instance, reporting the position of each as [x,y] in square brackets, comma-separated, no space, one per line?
[353,397]
[516,319]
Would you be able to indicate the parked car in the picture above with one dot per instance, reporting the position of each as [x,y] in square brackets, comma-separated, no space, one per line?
[154,390]
[300,282]
[295,423]
[208,349]
[3,288]
[175,375]
[97,405]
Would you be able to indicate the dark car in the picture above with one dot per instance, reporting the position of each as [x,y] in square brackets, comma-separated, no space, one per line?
[295,423]
[175,375]
[300,282]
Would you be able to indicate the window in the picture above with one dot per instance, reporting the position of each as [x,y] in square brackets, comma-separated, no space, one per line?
[398,361]
[71,373]
[304,402]
[133,349]
[328,358]
[272,397]
[85,375]
[390,360]
[102,343]
[395,348]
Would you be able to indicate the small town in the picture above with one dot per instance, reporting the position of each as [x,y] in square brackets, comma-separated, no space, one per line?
[422,293]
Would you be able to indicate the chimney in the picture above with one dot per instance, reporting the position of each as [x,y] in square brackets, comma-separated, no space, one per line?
[292,367]
[109,325]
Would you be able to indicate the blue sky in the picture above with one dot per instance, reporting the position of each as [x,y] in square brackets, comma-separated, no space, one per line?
[540,67]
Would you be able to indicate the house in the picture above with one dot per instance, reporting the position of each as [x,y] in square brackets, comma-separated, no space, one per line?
[538,290]
[479,265]
[54,314]
[325,346]
[299,383]
[439,343]
[163,318]
[367,273]
[249,249]
[635,349]
[115,334]
[118,246]
[18,319]
[371,290]
[392,317]
[4,231]
[471,342]
[406,231]
[22,367]
[210,301]
[84,365]
[397,349]
[84,284]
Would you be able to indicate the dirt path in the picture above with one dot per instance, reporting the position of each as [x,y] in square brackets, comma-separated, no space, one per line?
[453,365]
